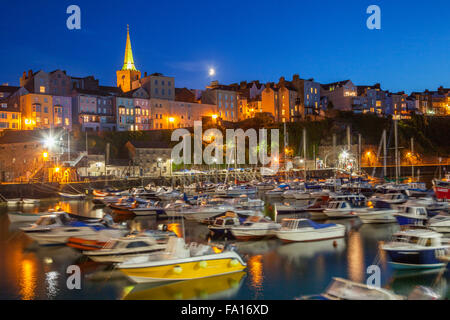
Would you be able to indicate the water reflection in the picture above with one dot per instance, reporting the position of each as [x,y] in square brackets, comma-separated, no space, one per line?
[51,278]
[255,270]
[355,257]
[219,287]
[27,281]
[275,270]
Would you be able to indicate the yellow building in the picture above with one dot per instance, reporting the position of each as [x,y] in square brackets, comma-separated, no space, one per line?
[10,117]
[37,111]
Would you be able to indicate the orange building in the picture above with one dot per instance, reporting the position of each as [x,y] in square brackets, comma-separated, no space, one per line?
[37,111]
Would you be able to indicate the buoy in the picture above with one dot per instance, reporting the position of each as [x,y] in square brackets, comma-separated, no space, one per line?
[234,263]
[203,264]
[177,269]
[335,243]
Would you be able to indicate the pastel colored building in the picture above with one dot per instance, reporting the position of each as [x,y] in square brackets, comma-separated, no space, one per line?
[62,111]
[10,116]
[125,113]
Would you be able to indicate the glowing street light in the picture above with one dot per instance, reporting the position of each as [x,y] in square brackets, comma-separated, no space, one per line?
[45,155]
[214,116]
[171,119]
[49,142]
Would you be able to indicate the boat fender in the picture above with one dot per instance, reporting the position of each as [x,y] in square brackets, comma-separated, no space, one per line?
[203,264]
[335,243]
[177,269]
[234,262]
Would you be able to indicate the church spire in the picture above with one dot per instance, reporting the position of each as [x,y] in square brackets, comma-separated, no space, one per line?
[128,62]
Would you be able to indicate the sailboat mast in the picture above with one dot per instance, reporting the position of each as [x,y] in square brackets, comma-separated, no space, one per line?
[396,151]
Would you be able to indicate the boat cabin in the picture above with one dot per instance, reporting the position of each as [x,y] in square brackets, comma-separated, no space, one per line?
[293,224]
[339,205]
[419,237]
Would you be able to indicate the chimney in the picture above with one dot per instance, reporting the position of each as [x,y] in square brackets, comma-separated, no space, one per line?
[24,76]
[30,74]
[295,77]
[145,74]
[281,80]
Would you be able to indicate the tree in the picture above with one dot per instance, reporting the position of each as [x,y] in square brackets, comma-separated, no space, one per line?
[330,105]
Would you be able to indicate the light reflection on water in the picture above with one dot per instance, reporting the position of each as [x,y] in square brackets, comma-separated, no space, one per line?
[275,270]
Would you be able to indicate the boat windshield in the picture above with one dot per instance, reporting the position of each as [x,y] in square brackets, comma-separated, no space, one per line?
[46,221]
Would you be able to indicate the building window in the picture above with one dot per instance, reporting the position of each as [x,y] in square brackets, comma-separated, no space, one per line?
[42,89]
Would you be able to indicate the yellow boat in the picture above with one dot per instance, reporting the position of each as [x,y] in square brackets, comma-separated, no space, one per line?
[218,287]
[182,262]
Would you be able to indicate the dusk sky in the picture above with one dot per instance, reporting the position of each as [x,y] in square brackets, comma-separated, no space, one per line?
[244,40]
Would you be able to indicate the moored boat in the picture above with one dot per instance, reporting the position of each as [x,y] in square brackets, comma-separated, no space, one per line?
[416,249]
[343,289]
[182,262]
[306,230]
[74,196]
[255,227]
[121,249]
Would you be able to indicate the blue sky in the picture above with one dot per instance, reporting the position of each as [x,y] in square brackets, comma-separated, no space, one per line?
[244,40]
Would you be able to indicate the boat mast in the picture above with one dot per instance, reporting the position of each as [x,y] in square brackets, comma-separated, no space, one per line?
[384,153]
[304,150]
[396,151]
[285,150]
[412,159]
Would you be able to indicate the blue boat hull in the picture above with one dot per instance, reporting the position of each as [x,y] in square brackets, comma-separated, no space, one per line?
[403,221]
[415,259]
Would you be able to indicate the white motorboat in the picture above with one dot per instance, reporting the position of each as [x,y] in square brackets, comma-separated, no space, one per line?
[303,230]
[302,195]
[343,289]
[235,191]
[288,208]
[246,203]
[223,224]
[392,198]
[289,194]
[278,191]
[22,201]
[120,249]
[377,215]
[73,196]
[27,217]
[255,227]
[341,209]
[54,229]
[440,223]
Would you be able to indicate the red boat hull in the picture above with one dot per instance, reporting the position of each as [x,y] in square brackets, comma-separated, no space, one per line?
[442,192]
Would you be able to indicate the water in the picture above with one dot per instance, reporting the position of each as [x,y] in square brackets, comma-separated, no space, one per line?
[275,270]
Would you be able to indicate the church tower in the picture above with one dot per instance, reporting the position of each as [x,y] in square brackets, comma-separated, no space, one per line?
[129,73]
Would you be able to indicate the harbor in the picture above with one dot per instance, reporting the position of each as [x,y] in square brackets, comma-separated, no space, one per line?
[272,268]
